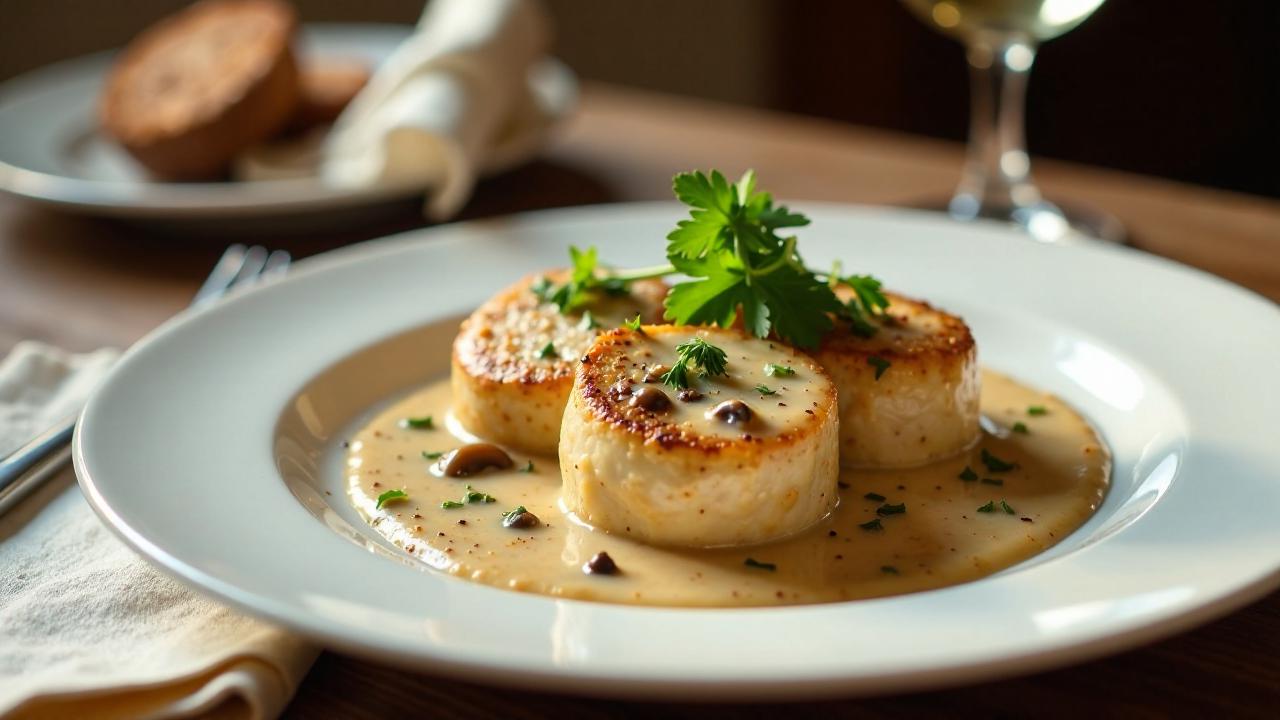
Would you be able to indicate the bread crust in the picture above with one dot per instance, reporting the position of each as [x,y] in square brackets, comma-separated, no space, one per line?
[200,86]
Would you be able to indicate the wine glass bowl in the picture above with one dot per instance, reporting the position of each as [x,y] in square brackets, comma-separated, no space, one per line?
[1001,38]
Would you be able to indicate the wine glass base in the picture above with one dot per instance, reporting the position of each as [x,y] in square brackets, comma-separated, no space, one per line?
[1044,221]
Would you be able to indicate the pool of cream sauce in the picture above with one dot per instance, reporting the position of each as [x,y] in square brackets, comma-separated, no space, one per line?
[1061,476]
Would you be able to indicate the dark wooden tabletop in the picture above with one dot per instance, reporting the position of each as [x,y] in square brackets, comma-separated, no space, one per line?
[83,283]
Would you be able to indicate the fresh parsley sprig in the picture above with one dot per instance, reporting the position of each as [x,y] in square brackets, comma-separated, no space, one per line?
[710,359]
[740,264]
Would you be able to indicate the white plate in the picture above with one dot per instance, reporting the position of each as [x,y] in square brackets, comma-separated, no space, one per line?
[51,150]
[185,449]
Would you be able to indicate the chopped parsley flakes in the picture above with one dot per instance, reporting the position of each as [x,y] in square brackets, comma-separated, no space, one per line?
[765,390]
[879,363]
[874,496]
[995,464]
[871,525]
[776,370]
[968,475]
[1021,428]
[989,507]
[390,496]
[887,509]
[1037,410]
[548,351]
[433,454]
[419,423]
[753,563]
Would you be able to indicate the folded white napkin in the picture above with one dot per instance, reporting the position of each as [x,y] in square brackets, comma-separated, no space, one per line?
[434,110]
[87,628]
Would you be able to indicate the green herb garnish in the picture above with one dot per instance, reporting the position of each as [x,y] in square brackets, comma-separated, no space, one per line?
[992,481]
[588,321]
[633,323]
[450,504]
[887,509]
[989,507]
[419,423]
[700,353]
[874,496]
[879,363]
[753,563]
[868,301]
[432,455]
[547,351]
[519,510]
[995,464]
[888,569]
[390,496]
[765,390]
[1005,506]
[1021,428]
[475,496]
[776,370]
[968,475]
[527,468]
[584,285]
[871,525]
[1037,410]
[738,265]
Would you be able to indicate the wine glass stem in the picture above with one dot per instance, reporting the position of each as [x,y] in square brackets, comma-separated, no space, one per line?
[997,180]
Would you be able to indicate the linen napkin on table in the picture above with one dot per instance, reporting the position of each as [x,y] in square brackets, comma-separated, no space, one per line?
[87,628]
[432,112]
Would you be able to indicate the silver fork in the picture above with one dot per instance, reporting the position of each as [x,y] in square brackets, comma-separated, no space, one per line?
[30,465]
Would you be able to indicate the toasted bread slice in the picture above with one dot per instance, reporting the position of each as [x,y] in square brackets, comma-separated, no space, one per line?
[201,85]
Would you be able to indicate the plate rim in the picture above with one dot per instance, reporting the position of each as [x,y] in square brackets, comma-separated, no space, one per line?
[1047,657]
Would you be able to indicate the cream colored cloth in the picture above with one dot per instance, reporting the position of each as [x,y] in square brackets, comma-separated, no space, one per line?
[433,111]
[87,628]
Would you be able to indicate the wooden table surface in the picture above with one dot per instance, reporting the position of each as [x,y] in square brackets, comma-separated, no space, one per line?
[83,283]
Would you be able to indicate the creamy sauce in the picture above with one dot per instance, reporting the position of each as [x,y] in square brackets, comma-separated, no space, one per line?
[942,539]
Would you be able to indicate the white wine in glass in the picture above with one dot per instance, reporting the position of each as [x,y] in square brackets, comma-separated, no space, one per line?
[1000,38]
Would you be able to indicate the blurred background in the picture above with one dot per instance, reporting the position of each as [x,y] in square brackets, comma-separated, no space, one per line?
[1181,89]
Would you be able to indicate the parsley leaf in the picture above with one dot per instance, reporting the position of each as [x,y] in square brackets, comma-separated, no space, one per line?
[874,496]
[588,321]
[700,353]
[1036,410]
[548,351]
[968,475]
[633,323]
[995,464]
[1005,506]
[887,509]
[419,423]
[1021,428]
[475,496]
[879,363]
[872,525]
[765,390]
[432,454]
[753,563]
[527,468]
[389,497]
[450,504]
[776,370]
[989,507]
[730,248]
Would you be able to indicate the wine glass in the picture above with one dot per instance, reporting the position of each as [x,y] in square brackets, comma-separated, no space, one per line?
[1000,38]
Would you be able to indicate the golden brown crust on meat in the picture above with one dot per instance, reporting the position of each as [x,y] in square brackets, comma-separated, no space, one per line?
[910,329]
[605,368]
